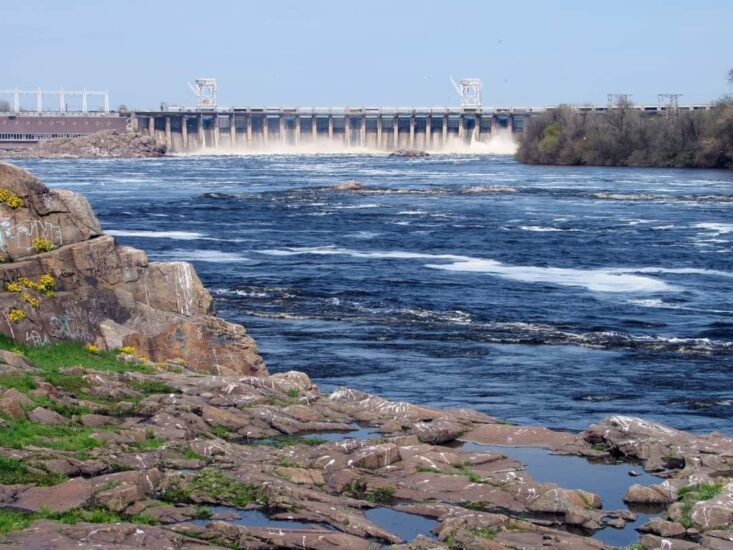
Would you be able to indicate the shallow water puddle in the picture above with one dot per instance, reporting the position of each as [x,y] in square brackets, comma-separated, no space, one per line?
[404,525]
[358,432]
[609,481]
[254,518]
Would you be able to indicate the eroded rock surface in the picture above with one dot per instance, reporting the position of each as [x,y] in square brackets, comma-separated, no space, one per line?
[102,293]
[107,144]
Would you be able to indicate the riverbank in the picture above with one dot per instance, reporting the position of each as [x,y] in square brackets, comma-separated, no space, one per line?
[100,145]
[625,137]
[161,442]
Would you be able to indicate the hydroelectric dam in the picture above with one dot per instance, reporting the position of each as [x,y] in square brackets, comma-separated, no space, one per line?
[383,129]
[210,127]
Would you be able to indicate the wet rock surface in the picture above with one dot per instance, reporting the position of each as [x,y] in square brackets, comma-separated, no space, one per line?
[409,153]
[107,144]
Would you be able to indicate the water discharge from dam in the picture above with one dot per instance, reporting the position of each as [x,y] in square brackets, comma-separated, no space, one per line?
[501,144]
[333,131]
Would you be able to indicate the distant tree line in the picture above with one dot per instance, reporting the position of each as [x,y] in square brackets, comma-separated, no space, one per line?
[625,137]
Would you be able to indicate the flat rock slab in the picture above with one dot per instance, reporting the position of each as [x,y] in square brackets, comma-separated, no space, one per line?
[74,493]
[518,436]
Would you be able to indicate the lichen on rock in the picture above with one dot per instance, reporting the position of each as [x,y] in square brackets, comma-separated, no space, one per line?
[105,294]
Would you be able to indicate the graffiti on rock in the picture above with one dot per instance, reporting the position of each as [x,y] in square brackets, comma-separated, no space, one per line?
[20,236]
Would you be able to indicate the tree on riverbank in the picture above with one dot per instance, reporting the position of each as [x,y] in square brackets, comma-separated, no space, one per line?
[625,137]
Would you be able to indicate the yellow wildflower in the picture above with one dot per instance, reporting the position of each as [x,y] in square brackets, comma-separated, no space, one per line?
[91,348]
[42,245]
[10,198]
[16,315]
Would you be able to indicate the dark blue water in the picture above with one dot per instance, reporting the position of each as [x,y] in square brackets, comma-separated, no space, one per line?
[583,293]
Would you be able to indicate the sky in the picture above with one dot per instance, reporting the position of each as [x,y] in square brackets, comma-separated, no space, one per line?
[380,52]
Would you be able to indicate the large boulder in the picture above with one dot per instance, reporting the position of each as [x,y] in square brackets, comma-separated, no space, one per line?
[101,293]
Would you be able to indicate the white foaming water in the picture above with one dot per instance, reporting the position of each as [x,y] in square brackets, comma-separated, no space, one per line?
[210,256]
[541,229]
[501,143]
[179,235]
[597,280]
[717,228]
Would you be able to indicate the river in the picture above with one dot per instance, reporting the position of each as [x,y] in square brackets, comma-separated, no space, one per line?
[542,295]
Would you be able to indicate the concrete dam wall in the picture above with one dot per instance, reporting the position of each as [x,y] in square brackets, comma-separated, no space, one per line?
[331,129]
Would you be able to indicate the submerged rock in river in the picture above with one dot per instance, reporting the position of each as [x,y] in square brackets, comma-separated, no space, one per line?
[409,153]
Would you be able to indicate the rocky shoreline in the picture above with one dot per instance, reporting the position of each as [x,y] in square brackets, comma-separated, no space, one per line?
[106,144]
[132,417]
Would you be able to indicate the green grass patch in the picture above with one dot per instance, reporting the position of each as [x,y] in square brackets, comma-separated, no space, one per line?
[460,470]
[148,444]
[693,494]
[13,471]
[216,484]
[478,505]
[149,387]
[485,533]
[189,454]
[61,407]
[18,434]
[52,357]
[293,393]
[220,431]
[109,484]
[21,382]
[280,441]
[378,495]
[143,518]
[12,520]
[202,512]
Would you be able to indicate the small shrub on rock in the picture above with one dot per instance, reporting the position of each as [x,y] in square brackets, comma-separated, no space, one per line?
[42,245]
[16,315]
[10,199]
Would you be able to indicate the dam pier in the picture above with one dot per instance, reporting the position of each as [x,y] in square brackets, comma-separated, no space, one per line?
[383,129]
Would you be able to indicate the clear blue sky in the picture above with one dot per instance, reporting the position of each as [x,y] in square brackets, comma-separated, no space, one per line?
[378,52]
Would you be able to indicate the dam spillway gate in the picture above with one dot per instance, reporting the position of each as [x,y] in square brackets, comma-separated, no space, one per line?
[381,129]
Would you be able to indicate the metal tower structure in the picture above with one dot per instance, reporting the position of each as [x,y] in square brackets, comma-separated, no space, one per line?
[672,102]
[619,99]
[469,90]
[62,96]
[205,91]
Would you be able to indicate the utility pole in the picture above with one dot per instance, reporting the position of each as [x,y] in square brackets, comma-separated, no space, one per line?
[618,100]
[672,103]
